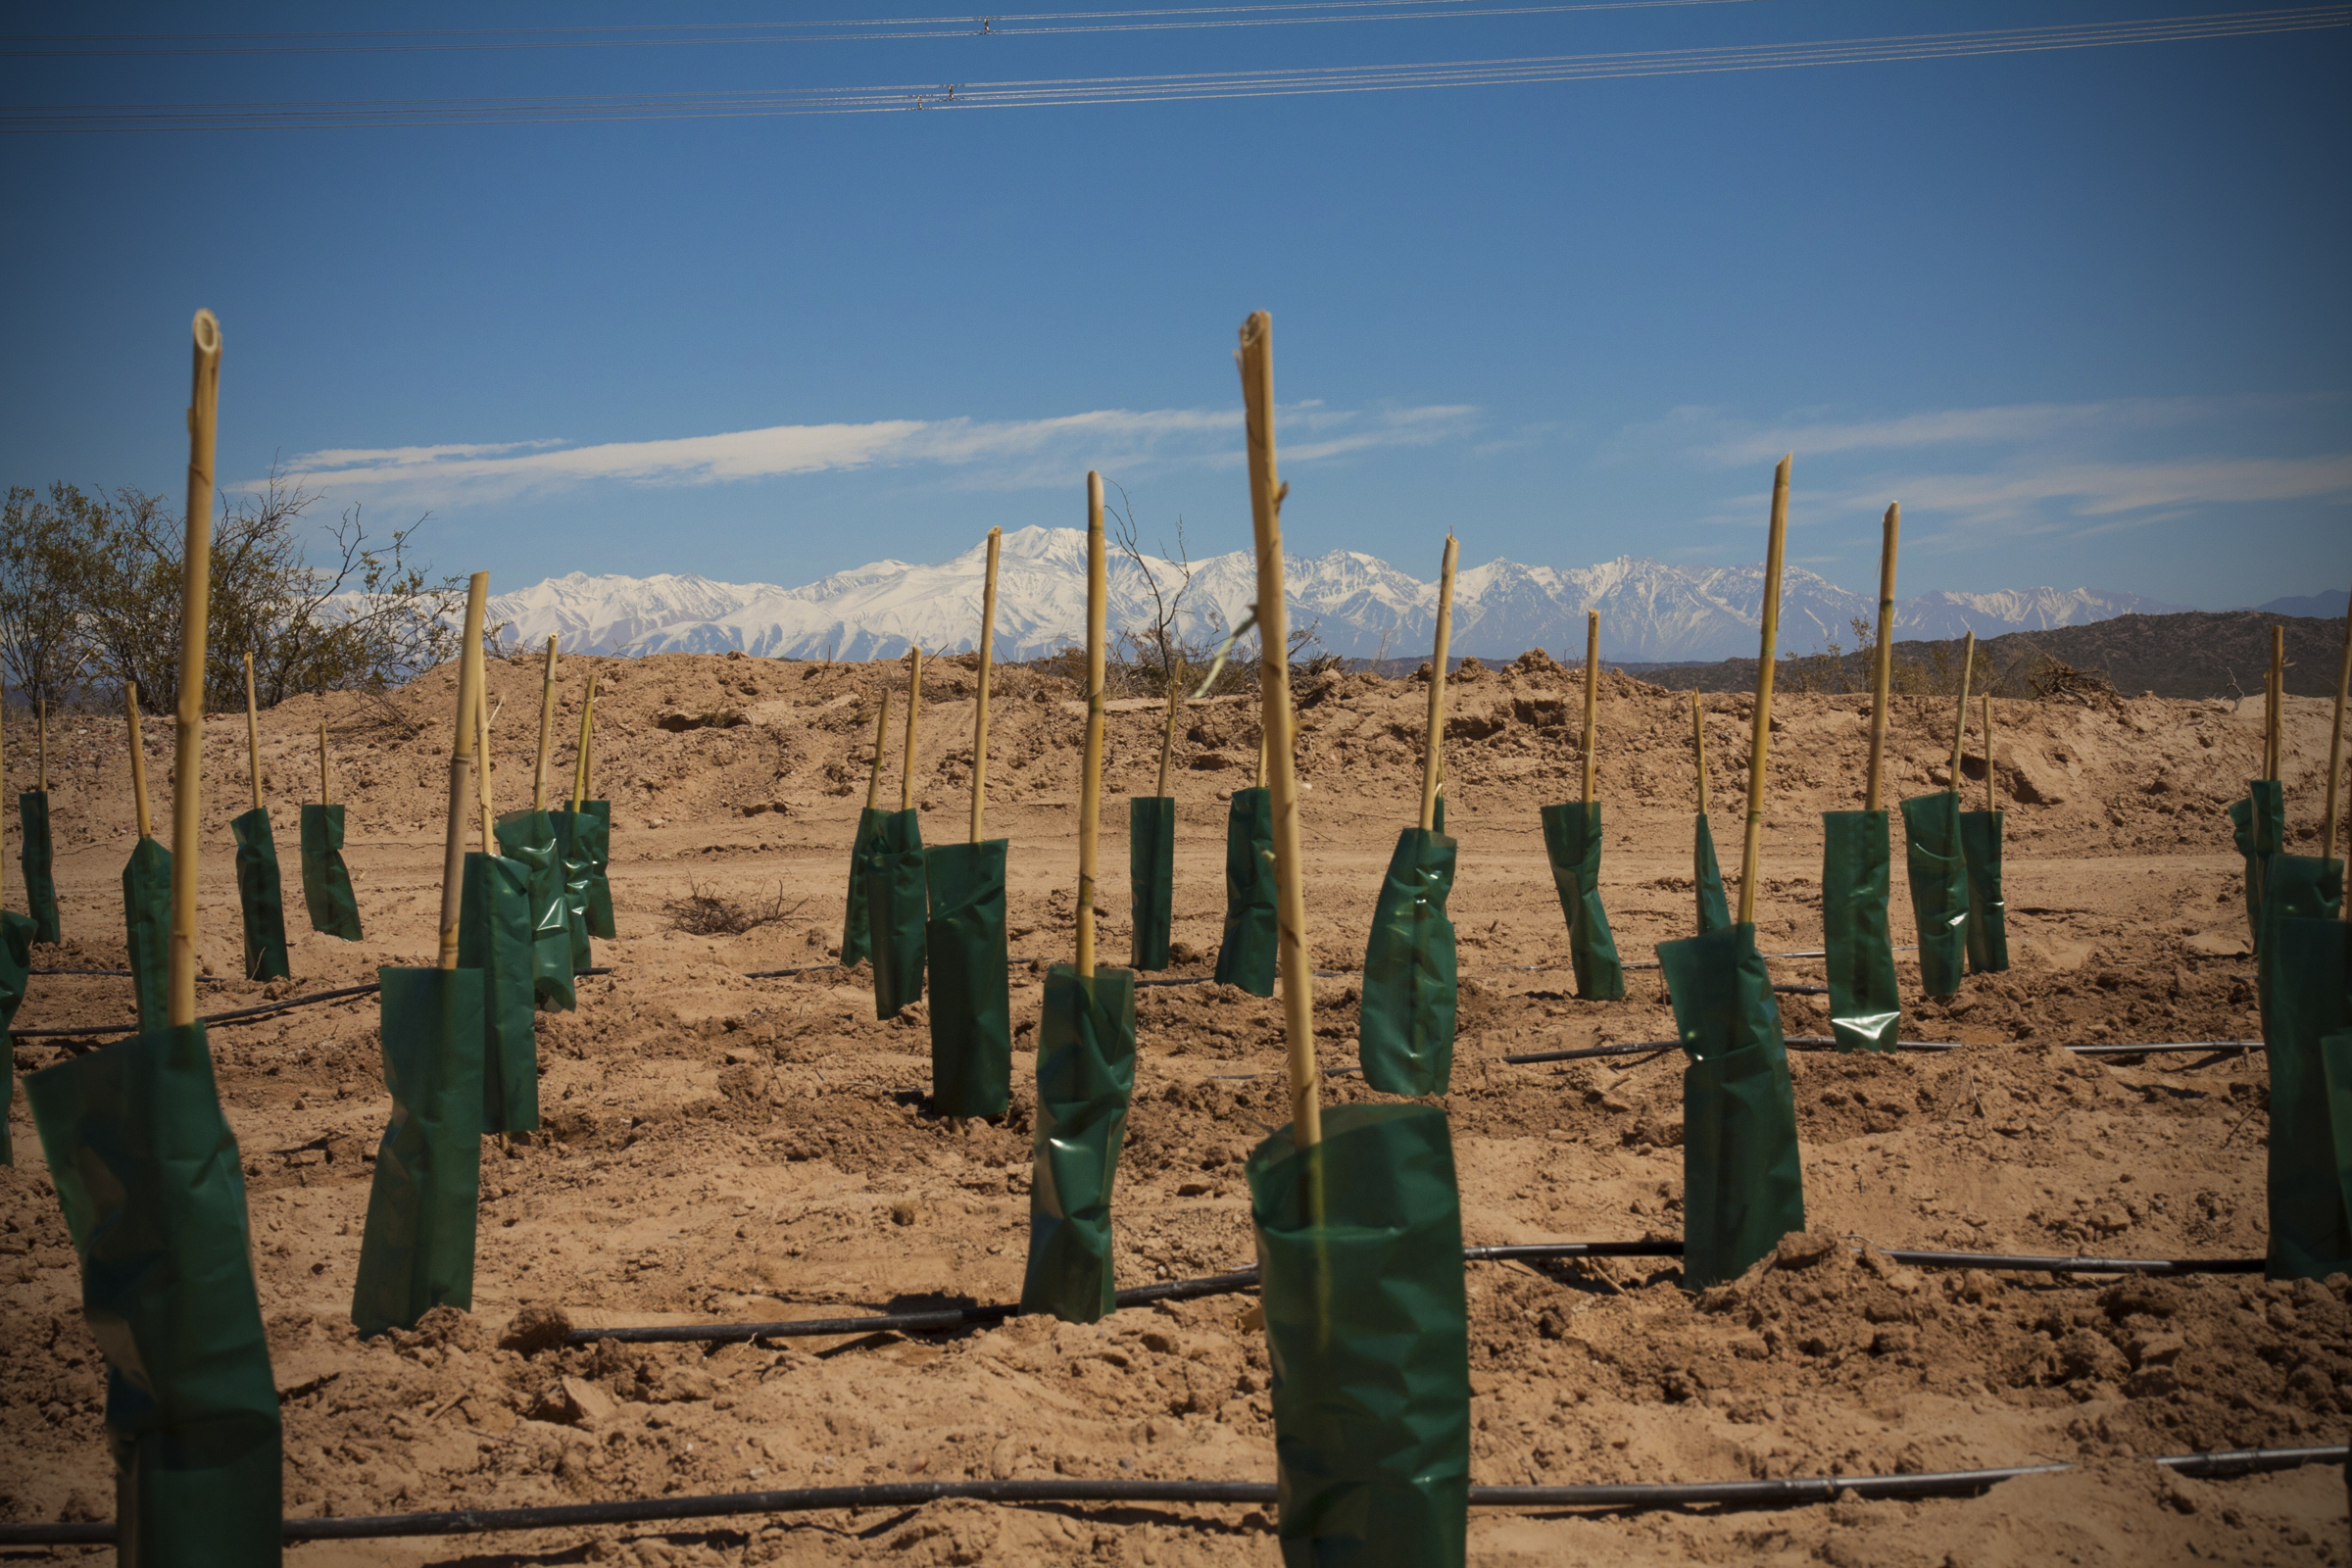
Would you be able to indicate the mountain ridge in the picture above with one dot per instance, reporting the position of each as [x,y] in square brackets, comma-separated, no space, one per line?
[1360,605]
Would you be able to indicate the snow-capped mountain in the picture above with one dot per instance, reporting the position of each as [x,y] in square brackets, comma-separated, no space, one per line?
[1359,604]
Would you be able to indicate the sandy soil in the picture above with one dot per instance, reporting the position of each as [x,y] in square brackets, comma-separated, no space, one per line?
[717,1146]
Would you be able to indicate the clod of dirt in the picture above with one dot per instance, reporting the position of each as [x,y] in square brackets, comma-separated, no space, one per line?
[1804,1248]
[535,1328]
[573,1402]
[442,1326]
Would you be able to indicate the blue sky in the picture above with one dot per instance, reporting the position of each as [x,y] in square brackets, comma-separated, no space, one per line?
[2081,310]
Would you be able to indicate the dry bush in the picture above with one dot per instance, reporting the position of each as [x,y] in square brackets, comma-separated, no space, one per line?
[705,912]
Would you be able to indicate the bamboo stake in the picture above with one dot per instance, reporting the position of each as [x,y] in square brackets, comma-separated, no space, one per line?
[1089,778]
[547,728]
[461,769]
[1699,745]
[1261,780]
[253,734]
[2276,724]
[988,652]
[1256,364]
[195,605]
[1432,746]
[1167,739]
[327,794]
[2266,724]
[482,767]
[579,767]
[2335,753]
[874,777]
[1991,798]
[138,760]
[1968,668]
[914,712]
[1592,691]
[1759,744]
[2,820]
[1882,668]
[40,717]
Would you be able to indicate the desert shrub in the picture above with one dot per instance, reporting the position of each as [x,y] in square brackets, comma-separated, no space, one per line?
[90,597]
[708,912]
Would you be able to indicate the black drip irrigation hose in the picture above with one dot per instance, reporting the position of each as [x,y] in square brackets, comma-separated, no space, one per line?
[1632,1497]
[948,1319]
[1644,1047]
[237,1014]
[1806,953]
[1015,963]
[938,1320]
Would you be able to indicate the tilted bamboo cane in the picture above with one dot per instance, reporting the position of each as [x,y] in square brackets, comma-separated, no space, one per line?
[1090,776]
[1751,850]
[253,734]
[1968,668]
[2335,753]
[914,712]
[1592,692]
[1433,744]
[327,794]
[461,769]
[873,776]
[988,653]
[40,720]
[581,764]
[195,607]
[1256,362]
[138,760]
[1881,667]
[547,728]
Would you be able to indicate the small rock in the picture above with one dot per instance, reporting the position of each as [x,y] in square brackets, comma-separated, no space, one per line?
[904,1213]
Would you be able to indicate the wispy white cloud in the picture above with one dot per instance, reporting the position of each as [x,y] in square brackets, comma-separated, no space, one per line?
[1728,444]
[2103,489]
[2071,470]
[1699,433]
[985,454]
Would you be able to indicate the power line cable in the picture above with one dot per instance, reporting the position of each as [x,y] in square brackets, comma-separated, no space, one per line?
[1029,24]
[1048,92]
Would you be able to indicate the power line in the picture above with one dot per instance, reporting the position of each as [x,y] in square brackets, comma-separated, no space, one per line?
[1161,88]
[1029,24]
